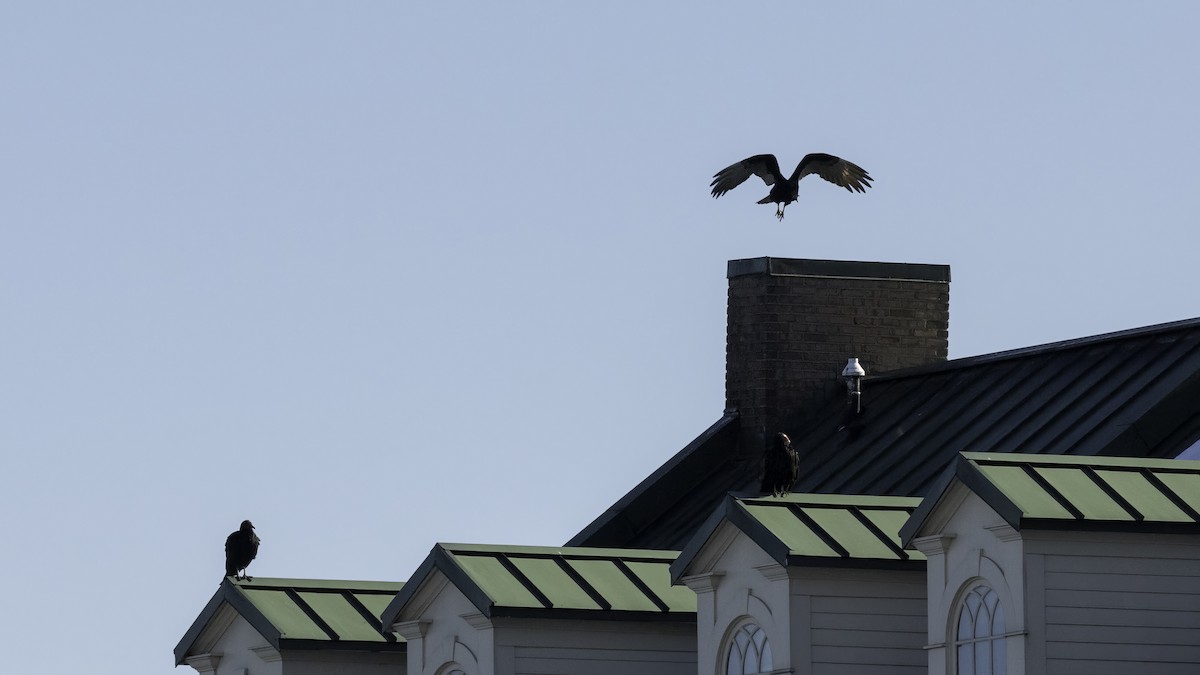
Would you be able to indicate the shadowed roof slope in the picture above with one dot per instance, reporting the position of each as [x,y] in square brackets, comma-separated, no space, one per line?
[299,614]
[1134,393]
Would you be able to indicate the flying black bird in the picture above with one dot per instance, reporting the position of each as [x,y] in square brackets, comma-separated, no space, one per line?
[781,466]
[240,549]
[784,190]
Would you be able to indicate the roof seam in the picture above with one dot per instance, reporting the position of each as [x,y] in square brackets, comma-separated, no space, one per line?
[1112,493]
[367,616]
[1170,494]
[1053,492]
[587,587]
[641,585]
[879,534]
[312,614]
[524,580]
[1050,347]
[816,528]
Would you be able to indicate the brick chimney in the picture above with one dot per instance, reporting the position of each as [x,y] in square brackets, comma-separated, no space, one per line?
[794,323]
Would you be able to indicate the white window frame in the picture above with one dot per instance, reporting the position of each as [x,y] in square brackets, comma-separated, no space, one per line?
[752,630]
[988,600]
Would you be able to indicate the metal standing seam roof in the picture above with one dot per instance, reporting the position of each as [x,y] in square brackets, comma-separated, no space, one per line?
[534,581]
[1058,492]
[304,613]
[1131,393]
[815,530]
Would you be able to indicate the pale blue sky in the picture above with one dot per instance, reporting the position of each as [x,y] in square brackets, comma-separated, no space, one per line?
[376,276]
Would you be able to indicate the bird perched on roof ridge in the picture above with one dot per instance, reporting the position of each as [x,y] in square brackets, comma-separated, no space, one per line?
[240,548]
[781,466]
[784,190]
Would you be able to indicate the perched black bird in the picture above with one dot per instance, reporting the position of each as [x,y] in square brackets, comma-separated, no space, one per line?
[784,190]
[240,549]
[781,466]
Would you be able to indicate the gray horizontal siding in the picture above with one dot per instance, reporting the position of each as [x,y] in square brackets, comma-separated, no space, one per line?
[1116,615]
[873,628]
[594,661]
[843,660]
[1106,616]
[1093,667]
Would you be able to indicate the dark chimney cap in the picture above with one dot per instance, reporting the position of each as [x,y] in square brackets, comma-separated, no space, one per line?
[845,269]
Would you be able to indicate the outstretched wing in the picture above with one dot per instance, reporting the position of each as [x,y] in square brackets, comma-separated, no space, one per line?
[765,167]
[835,170]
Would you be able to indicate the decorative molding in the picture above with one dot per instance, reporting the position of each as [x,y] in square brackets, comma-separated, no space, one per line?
[934,544]
[220,622]
[477,621]
[1004,532]
[704,583]
[267,653]
[429,590]
[766,607]
[773,571]
[710,554]
[411,630]
[454,650]
[204,663]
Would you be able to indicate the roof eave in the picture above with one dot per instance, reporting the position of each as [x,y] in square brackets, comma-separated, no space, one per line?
[564,614]
[609,519]
[438,559]
[969,475]
[730,510]
[228,593]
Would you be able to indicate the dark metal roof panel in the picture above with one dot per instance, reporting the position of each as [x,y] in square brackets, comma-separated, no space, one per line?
[665,508]
[1088,397]
[1131,393]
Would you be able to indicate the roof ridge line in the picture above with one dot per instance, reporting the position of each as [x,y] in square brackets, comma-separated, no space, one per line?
[1046,348]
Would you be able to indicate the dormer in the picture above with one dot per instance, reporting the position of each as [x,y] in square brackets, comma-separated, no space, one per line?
[1047,564]
[806,584]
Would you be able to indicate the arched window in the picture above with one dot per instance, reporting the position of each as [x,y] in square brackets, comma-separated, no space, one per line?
[749,651]
[980,634]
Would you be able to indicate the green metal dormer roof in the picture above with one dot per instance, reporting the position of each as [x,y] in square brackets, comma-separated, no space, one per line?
[300,614]
[815,530]
[1061,492]
[535,581]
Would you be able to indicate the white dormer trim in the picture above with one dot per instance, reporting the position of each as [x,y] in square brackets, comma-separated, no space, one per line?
[267,653]
[431,587]
[934,544]
[714,549]
[477,621]
[204,663]
[1004,532]
[411,630]
[773,571]
[704,583]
